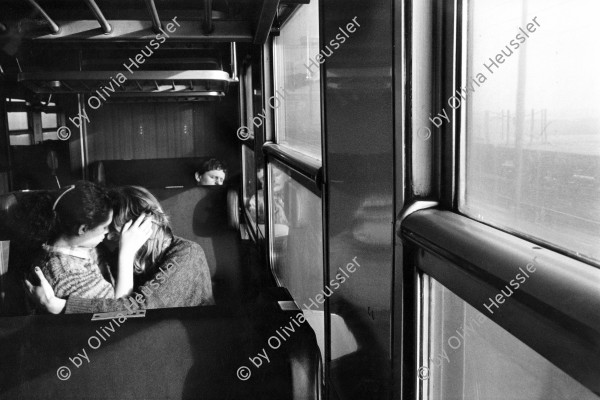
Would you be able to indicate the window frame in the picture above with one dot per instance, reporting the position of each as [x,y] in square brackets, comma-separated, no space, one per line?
[247,99]
[473,259]
[25,107]
[305,169]
[460,146]
[275,84]
[308,171]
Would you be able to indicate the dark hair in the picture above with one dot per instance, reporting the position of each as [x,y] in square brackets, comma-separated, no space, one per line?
[47,215]
[213,164]
[85,204]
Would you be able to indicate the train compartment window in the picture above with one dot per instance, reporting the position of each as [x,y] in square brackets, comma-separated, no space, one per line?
[297,94]
[467,347]
[49,120]
[28,126]
[17,121]
[506,259]
[18,128]
[532,131]
[252,203]
[297,243]
[294,197]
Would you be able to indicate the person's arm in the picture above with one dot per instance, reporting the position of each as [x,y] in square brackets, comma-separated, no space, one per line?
[182,280]
[44,294]
[69,279]
[133,236]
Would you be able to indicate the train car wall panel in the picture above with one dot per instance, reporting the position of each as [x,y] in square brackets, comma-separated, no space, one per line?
[122,131]
[360,207]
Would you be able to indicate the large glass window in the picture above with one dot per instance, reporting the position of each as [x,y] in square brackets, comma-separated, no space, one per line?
[297,244]
[471,357]
[17,121]
[49,120]
[533,120]
[297,98]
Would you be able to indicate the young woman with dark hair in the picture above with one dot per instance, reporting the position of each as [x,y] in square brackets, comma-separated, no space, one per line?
[79,221]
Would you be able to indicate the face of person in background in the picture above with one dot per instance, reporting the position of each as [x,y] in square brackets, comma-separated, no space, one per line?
[211,178]
[278,178]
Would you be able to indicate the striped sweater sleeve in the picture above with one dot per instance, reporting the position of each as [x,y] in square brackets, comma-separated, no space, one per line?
[70,276]
[182,279]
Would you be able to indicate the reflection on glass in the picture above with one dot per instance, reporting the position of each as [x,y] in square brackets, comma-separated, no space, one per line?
[256,204]
[533,125]
[363,301]
[248,89]
[249,187]
[297,102]
[297,243]
[471,357]
[372,225]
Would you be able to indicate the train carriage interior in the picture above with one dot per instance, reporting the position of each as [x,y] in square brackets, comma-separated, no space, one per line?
[393,199]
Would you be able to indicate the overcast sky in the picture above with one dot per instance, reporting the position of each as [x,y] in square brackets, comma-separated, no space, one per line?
[563,55]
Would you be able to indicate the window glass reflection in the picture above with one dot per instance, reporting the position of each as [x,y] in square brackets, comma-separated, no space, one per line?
[297,102]
[249,188]
[297,243]
[471,357]
[533,125]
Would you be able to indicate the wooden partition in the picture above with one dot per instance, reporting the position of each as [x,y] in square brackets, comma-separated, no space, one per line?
[123,131]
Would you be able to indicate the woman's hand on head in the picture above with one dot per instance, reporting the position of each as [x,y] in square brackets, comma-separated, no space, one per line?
[43,295]
[134,234]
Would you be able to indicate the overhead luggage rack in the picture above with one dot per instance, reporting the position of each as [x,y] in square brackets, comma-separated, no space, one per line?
[212,83]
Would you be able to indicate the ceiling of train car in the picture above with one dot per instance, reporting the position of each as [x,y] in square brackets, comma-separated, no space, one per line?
[68,46]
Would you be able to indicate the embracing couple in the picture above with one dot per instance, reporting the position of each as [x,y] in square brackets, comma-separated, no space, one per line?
[77,276]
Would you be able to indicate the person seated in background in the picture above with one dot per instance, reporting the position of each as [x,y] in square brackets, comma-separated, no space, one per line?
[213,173]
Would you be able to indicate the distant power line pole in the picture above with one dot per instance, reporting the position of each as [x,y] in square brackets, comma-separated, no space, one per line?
[520,111]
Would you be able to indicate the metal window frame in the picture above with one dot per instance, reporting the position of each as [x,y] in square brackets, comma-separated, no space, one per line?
[474,260]
[558,304]
[307,171]
[304,169]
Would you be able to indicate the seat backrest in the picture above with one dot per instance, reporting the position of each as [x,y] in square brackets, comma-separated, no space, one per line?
[151,173]
[199,214]
[17,210]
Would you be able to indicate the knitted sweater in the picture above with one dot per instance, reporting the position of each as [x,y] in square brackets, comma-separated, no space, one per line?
[75,272]
[182,279]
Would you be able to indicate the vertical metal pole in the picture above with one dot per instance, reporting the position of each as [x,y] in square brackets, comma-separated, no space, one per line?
[520,117]
[82,136]
[234,68]
[208,25]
